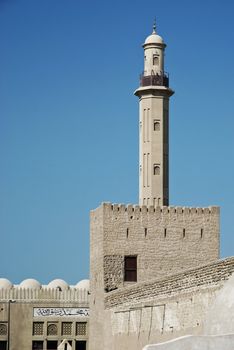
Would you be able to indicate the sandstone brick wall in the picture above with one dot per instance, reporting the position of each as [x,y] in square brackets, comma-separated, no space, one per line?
[166,240]
[210,275]
[160,310]
[113,271]
[96,280]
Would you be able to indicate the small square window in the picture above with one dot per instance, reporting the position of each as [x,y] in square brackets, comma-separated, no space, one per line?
[38,328]
[66,328]
[81,328]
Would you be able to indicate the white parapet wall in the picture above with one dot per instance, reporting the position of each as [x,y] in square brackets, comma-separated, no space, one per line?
[192,342]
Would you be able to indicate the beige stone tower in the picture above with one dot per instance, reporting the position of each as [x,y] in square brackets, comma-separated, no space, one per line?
[154,93]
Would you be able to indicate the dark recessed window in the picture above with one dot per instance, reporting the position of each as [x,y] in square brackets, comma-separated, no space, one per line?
[130,269]
[80,345]
[66,344]
[165,232]
[37,345]
[3,345]
[52,344]
[183,232]
[201,232]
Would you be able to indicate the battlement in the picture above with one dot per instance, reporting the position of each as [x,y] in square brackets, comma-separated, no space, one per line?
[134,208]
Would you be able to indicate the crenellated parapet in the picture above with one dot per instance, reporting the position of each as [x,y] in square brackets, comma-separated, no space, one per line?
[135,208]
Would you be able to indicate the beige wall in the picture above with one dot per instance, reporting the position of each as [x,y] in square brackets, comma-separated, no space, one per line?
[165,240]
[21,315]
[154,188]
[96,280]
[119,230]
[157,311]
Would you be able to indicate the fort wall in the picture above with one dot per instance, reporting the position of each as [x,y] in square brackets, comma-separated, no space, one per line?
[160,310]
[96,325]
[165,240]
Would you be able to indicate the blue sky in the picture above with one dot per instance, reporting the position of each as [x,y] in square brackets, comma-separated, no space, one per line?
[69,120]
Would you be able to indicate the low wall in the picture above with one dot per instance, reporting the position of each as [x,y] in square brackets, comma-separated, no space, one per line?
[199,278]
[157,311]
[216,342]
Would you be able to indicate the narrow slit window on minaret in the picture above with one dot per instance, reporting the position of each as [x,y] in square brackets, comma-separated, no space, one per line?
[156,125]
[183,232]
[156,169]
[155,60]
[165,232]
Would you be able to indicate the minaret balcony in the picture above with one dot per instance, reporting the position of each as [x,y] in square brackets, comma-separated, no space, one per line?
[154,79]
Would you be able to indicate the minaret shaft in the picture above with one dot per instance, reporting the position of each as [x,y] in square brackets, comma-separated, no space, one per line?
[154,96]
[153,177]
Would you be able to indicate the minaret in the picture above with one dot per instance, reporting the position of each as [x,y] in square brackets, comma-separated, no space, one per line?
[154,93]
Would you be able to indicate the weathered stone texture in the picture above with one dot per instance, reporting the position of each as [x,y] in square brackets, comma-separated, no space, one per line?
[210,275]
[113,272]
[166,240]
[160,310]
[96,280]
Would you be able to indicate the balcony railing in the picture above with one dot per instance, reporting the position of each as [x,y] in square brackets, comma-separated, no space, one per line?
[154,79]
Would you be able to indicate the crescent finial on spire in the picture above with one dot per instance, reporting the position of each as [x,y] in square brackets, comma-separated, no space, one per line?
[154,26]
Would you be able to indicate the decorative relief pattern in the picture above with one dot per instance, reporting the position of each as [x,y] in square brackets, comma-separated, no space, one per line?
[38,328]
[52,329]
[81,328]
[3,329]
[66,328]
